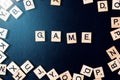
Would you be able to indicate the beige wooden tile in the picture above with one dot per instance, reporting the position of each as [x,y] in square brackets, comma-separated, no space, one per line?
[112,52]
[65,76]
[4,15]
[87,1]
[56,36]
[114,65]
[71,38]
[98,79]
[28,4]
[2,57]
[3,45]
[16,12]
[78,77]
[115,22]
[115,34]
[56,2]
[3,69]
[6,4]
[13,67]
[40,36]
[27,66]
[40,72]
[86,37]
[19,75]
[102,6]
[53,75]
[86,70]
[98,72]
[115,5]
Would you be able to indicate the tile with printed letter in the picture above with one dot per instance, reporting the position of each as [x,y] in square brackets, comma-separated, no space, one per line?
[40,72]
[86,70]
[6,4]
[114,65]
[98,72]
[16,12]
[115,22]
[13,67]
[27,66]
[3,69]
[116,4]
[65,76]
[39,36]
[3,33]
[56,2]
[53,75]
[71,38]
[78,77]
[102,6]
[56,36]
[29,4]
[3,45]
[4,15]
[115,34]
[19,75]
[2,57]
[86,37]
[87,1]
[112,52]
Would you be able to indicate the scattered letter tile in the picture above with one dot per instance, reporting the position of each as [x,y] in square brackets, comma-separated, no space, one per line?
[4,15]
[2,57]
[114,65]
[3,45]
[6,4]
[27,66]
[102,6]
[3,33]
[13,67]
[28,4]
[115,34]
[56,2]
[3,69]
[66,76]
[19,75]
[115,22]
[16,12]
[86,70]
[112,52]
[40,72]
[78,77]
[87,1]
[53,75]
[115,5]
[98,72]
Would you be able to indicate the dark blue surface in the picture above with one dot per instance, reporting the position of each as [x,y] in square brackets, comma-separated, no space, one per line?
[71,16]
